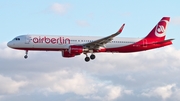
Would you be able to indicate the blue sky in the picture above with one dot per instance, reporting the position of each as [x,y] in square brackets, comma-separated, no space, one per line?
[88,18]
[152,75]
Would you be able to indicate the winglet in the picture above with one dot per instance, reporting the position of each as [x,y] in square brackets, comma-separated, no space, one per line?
[120,30]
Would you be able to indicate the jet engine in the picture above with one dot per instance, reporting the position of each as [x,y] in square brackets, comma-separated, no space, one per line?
[67,54]
[76,50]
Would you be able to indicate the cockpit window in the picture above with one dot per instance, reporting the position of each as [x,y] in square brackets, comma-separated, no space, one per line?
[17,39]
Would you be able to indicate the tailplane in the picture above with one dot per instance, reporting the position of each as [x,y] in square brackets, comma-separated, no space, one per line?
[158,33]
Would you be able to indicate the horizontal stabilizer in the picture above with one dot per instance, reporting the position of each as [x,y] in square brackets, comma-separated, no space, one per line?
[160,42]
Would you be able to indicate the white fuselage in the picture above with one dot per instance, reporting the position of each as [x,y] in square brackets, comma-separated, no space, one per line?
[38,42]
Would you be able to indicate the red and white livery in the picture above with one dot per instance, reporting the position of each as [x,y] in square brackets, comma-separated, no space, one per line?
[75,45]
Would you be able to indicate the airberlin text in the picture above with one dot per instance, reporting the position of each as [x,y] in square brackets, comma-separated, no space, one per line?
[58,40]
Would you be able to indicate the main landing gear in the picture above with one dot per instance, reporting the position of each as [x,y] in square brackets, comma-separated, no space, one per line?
[92,57]
[26,56]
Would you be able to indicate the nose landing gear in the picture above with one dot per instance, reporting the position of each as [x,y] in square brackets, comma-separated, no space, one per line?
[26,56]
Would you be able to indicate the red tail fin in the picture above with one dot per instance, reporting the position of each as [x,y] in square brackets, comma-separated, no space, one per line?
[159,31]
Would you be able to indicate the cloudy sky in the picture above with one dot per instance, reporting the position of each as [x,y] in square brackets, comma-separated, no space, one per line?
[152,75]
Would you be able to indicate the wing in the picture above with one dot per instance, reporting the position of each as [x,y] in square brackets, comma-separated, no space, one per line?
[101,42]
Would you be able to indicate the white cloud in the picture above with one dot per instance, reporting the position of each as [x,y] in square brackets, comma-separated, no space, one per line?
[176,94]
[164,91]
[128,92]
[8,53]
[108,77]
[59,8]
[9,86]
[65,83]
[114,92]
[130,78]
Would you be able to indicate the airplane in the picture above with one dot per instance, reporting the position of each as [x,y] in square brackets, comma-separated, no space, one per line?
[72,46]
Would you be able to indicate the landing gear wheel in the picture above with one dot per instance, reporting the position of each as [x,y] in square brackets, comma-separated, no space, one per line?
[87,59]
[92,56]
[25,56]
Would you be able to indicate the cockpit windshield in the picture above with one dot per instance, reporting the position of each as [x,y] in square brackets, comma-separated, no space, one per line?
[17,39]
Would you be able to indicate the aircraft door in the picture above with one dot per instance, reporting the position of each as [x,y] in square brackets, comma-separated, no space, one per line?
[28,39]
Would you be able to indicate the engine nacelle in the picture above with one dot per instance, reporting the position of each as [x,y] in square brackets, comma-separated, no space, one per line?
[67,54]
[101,49]
[77,50]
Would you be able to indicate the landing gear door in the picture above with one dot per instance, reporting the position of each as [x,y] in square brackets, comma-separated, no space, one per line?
[28,39]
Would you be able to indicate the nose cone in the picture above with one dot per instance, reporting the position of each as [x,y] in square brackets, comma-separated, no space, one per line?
[9,44]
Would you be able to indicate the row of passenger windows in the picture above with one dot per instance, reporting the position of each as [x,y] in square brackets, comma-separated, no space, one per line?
[90,41]
[109,42]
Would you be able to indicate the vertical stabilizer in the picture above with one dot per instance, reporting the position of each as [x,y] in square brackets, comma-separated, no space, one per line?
[159,31]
